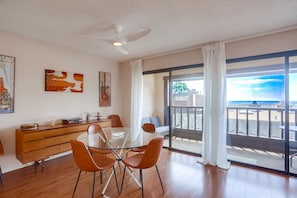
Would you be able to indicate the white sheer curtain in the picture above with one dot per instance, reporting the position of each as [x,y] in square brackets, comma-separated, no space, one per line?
[214,151]
[136,93]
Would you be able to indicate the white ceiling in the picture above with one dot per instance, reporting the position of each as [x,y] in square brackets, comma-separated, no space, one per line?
[175,24]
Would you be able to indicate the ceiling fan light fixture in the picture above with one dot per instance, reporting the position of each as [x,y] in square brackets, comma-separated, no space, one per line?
[117,44]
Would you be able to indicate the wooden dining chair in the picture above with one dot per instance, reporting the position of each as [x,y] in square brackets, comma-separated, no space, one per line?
[147,127]
[115,120]
[145,160]
[1,174]
[86,162]
[93,129]
[96,128]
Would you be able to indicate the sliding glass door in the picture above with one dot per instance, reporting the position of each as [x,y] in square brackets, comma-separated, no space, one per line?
[175,97]
[256,96]
[292,117]
[186,103]
[262,111]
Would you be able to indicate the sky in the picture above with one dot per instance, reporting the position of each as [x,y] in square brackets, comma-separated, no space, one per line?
[258,88]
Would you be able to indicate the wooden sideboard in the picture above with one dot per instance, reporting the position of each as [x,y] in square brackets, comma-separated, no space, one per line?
[39,144]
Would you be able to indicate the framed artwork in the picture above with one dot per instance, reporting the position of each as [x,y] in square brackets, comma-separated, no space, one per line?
[7,70]
[104,89]
[63,81]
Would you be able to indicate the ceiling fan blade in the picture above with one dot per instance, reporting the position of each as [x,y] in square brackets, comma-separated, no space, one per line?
[109,41]
[123,49]
[137,35]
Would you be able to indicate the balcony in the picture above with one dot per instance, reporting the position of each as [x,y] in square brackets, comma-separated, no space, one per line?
[254,135]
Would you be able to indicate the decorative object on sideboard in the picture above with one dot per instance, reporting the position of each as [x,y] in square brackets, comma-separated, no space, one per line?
[53,121]
[72,120]
[94,118]
[29,127]
[7,68]
[104,89]
[63,81]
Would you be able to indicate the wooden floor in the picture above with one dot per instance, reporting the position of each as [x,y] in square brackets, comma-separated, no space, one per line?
[182,176]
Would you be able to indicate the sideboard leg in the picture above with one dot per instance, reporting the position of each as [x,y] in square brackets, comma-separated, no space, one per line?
[40,162]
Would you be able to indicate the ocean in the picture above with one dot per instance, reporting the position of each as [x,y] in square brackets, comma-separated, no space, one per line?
[259,102]
[249,102]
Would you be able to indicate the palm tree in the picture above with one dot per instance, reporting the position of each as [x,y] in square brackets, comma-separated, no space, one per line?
[180,87]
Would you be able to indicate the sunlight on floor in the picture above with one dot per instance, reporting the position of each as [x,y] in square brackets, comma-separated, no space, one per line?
[245,155]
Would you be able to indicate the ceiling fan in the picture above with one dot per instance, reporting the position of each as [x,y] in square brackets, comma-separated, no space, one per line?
[120,41]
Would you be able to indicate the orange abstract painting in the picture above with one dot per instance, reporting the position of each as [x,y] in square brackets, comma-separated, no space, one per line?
[63,81]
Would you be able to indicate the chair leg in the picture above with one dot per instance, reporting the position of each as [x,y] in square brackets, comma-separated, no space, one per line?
[115,175]
[94,179]
[120,167]
[123,178]
[76,183]
[1,177]
[159,177]
[101,177]
[141,180]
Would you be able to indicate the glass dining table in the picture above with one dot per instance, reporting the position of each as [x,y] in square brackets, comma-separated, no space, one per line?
[118,139]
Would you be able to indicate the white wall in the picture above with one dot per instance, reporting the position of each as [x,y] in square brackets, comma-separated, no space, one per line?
[125,97]
[148,95]
[33,104]
[159,94]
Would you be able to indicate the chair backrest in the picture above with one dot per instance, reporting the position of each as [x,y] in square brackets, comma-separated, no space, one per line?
[82,157]
[149,127]
[115,120]
[151,153]
[96,128]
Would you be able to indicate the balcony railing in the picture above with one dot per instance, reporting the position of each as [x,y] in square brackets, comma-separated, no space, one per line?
[187,122]
[259,121]
[190,118]
[251,127]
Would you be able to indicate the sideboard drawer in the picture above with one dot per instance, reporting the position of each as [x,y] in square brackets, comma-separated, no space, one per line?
[45,141]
